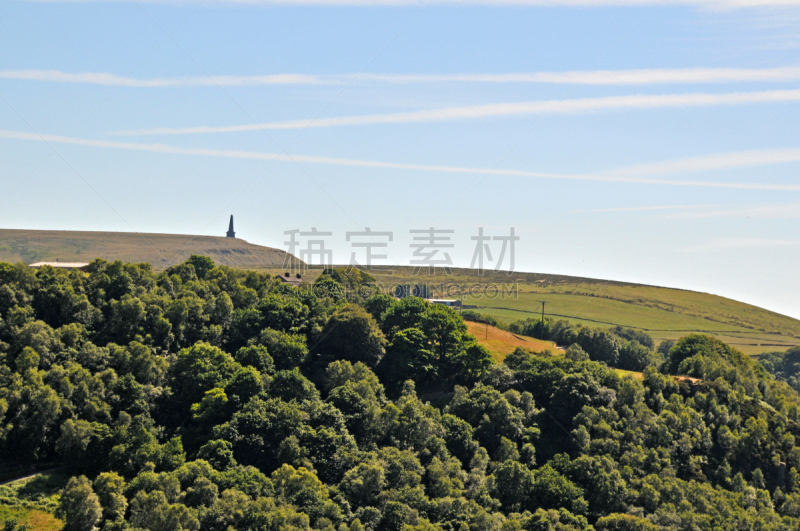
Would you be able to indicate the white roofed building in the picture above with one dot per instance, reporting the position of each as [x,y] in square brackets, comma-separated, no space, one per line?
[62,265]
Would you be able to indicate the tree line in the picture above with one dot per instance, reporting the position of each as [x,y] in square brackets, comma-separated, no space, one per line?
[204,397]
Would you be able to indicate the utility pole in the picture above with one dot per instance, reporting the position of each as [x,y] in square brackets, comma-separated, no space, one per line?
[543,303]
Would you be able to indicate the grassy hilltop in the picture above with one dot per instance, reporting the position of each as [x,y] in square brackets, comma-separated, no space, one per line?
[664,313]
[161,250]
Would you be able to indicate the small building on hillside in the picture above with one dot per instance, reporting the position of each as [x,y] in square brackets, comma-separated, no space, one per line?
[62,265]
[291,280]
[445,302]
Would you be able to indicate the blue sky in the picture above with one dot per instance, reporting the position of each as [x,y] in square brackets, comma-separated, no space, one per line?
[633,140]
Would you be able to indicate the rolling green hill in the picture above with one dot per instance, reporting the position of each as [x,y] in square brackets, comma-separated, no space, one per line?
[161,250]
[665,313]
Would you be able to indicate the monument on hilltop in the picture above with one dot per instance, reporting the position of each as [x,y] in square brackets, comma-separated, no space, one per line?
[230,233]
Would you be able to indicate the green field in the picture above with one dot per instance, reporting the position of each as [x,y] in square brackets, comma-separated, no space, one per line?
[665,313]
[736,323]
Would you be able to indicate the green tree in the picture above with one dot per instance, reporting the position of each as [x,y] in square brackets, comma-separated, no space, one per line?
[245,383]
[377,305]
[292,385]
[625,522]
[512,484]
[552,490]
[245,326]
[213,409]
[575,353]
[222,314]
[474,362]
[259,427]
[79,506]
[634,356]
[405,313]
[396,515]
[408,358]
[286,314]
[138,360]
[198,369]
[632,334]
[288,350]
[352,334]
[363,484]
[665,346]
[329,289]
[601,345]
[109,487]
[202,265]
[256,356]
[302,488]
[361,410]
[152,511]
[218,453]
[445,331]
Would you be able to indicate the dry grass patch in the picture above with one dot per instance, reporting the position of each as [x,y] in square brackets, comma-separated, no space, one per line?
[501,343]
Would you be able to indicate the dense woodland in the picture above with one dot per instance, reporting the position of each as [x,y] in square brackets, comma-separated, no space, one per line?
[784,366]
[209,398]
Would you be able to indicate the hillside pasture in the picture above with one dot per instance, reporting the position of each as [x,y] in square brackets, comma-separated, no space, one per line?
[665,313]
[501,343]
[160,250]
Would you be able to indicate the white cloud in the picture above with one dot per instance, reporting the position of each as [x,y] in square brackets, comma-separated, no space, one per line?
[576,77]
[736,159]
[606,77]
[749,243]
[647,208]
[713,4]
[622,175]
[759,211]
[494,110]
[101,78]
[763,211]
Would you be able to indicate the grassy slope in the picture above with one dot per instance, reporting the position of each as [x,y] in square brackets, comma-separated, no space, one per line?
[501,343]
[33,500]
[664,312]
[161,250]
[35,519]
[735,323]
